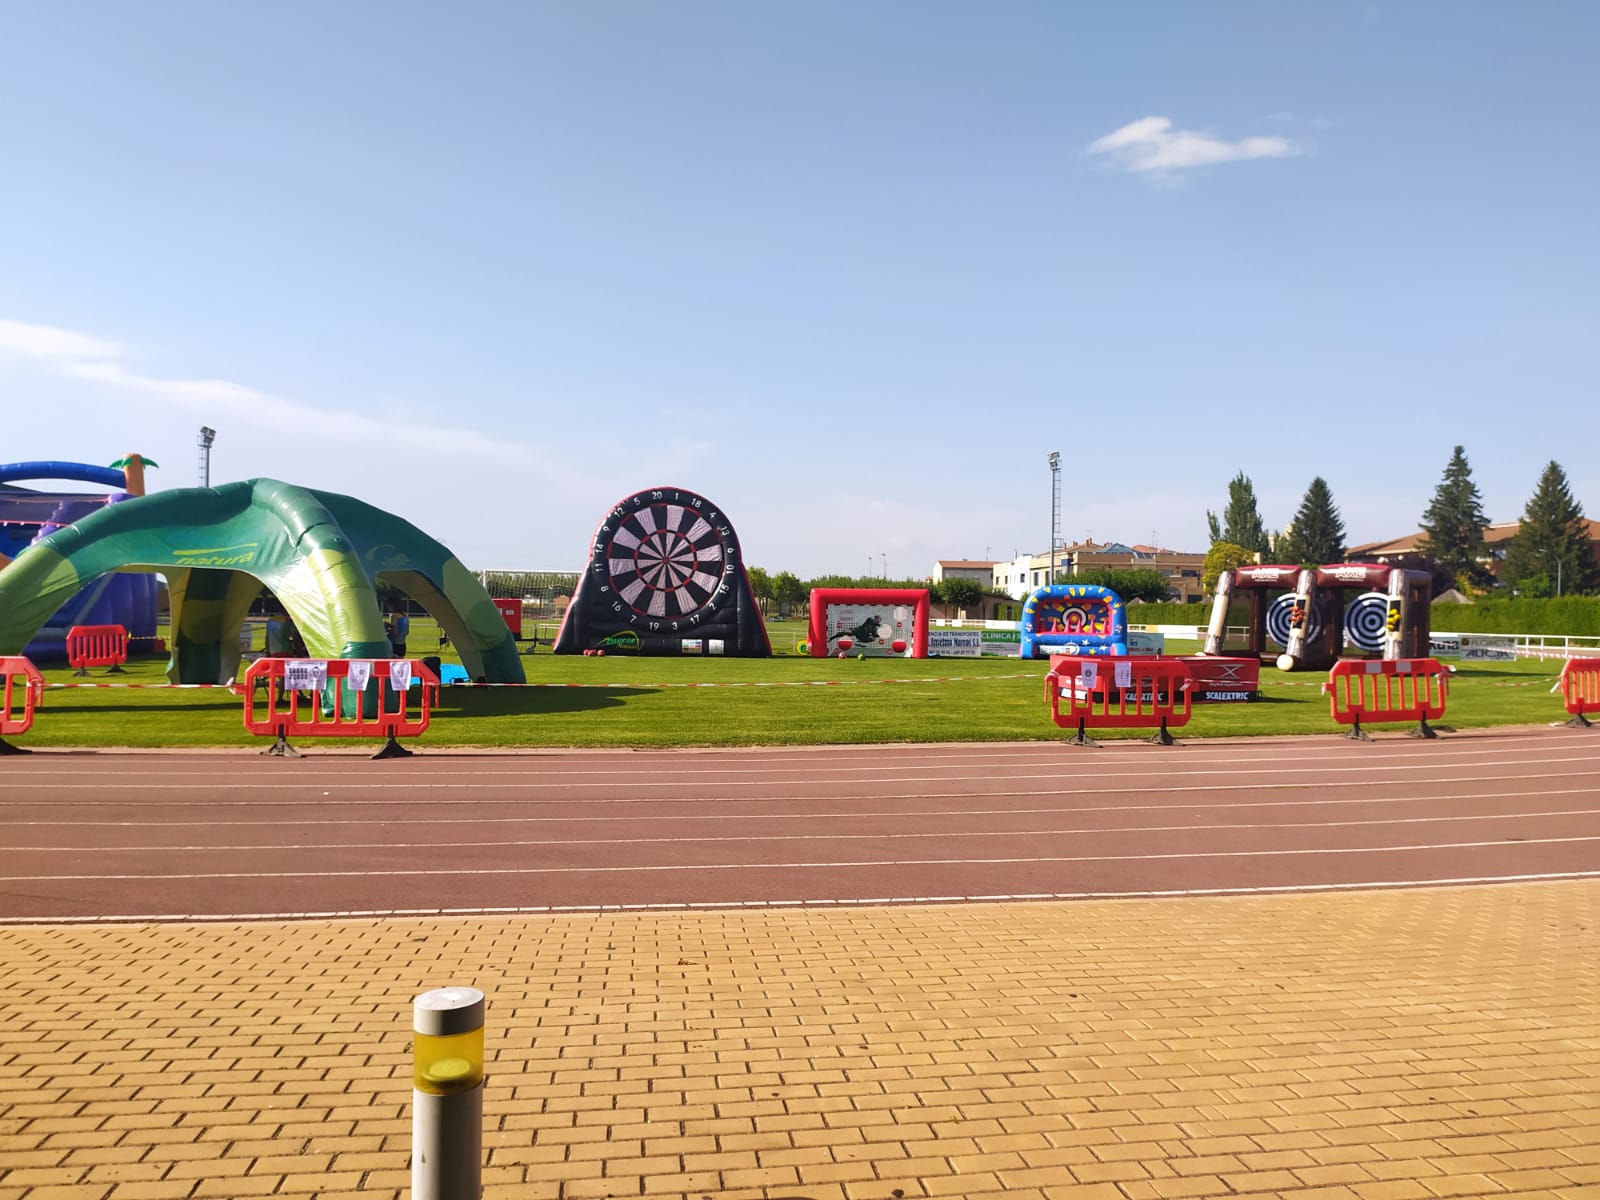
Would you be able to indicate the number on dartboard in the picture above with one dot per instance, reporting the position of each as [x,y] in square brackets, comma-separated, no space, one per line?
[666,559]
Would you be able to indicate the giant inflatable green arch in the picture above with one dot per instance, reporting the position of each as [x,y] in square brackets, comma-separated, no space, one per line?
[323,555]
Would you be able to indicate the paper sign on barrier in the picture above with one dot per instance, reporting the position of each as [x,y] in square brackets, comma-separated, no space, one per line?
[400,675]
[1089,675]
[305,674]
[360,673]
[1122,674]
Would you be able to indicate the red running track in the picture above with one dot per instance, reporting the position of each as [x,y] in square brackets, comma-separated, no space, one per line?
[159,836]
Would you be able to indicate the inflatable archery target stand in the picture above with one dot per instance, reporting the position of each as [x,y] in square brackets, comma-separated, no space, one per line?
[665,577]
[1312,621]
[868,622]
[1073,618]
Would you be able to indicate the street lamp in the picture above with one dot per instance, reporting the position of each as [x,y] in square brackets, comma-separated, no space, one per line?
[1055,510]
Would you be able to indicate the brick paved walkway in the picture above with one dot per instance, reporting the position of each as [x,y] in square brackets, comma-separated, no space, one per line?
[1380,1045]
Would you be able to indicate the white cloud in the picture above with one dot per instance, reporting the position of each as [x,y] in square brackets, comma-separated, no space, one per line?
[1152,145]
[95,360]
[48,342]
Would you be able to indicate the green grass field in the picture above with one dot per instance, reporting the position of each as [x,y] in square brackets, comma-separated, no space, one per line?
[649,702]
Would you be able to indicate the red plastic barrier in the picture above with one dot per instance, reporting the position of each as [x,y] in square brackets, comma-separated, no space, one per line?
[1406,689]
[18,699]
[97,646]
[295,702]
[511,612]
[1118,693]
[1580,688]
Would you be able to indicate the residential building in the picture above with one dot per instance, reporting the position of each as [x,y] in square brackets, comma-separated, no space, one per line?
[1025,573]
[1495,538]
[979,570]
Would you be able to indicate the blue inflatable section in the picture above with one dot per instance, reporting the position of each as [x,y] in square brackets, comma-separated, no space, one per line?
[129,600]
[1073,618]
[110,477]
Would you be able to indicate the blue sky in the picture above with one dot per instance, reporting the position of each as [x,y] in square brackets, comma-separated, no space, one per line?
[849,270]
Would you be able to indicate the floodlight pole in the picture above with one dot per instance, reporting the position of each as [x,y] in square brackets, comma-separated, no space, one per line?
[1055,510]
[207,436]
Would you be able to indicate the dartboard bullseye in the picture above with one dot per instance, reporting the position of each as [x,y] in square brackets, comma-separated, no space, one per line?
[1280,620]
[665,576]
[1366,621]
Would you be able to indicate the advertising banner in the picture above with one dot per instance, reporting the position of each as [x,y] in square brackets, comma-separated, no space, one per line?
[1481,647]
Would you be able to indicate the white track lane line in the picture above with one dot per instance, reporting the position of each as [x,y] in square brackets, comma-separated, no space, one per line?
[1067,831]
[875,864]
[653,908]
[582,771]
[1168,790]
[757,815]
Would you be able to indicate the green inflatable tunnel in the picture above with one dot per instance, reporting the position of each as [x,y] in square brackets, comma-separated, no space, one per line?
[323,555]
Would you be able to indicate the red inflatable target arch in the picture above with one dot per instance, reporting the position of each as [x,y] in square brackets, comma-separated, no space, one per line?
[868,622]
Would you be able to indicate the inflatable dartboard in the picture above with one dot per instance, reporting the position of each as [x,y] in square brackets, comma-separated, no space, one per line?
[665,576]
[1278,617]
[1366,620]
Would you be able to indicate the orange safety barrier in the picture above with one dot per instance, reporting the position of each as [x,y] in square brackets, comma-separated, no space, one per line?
[97,646]
[1406,689]
[1580,688]
[29,693]
[338,697]
[1119,693]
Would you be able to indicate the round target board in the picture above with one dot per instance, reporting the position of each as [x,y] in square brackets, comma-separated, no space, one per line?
[1366,619]
[665,576]
[665,554]
[1279,623]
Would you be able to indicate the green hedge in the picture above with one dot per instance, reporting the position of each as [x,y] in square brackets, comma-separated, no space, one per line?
[1571,616]
[1169,614]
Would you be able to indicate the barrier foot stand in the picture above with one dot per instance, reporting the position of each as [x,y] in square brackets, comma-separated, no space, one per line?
[115,670]
[1161,737]
[1081,738]
[281,748]
[1579,721]
[392,749]
[7,748]
[1358,734]
[80,671]
[1422,730]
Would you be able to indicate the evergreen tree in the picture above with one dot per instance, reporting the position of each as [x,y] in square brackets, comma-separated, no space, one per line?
[1214,526]
[1317,535]
[1453,524]
[1553,531]
[1241,519]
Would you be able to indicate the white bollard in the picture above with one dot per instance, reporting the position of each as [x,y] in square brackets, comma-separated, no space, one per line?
[447,1095]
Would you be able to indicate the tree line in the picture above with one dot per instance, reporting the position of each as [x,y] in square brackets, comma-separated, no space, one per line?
[787,592]
[1551,553]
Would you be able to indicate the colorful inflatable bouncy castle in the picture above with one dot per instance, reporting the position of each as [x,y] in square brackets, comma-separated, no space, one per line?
[1073,618]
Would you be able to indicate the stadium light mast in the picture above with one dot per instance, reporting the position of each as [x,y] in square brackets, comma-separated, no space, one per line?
[207,436]
[1055,510]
